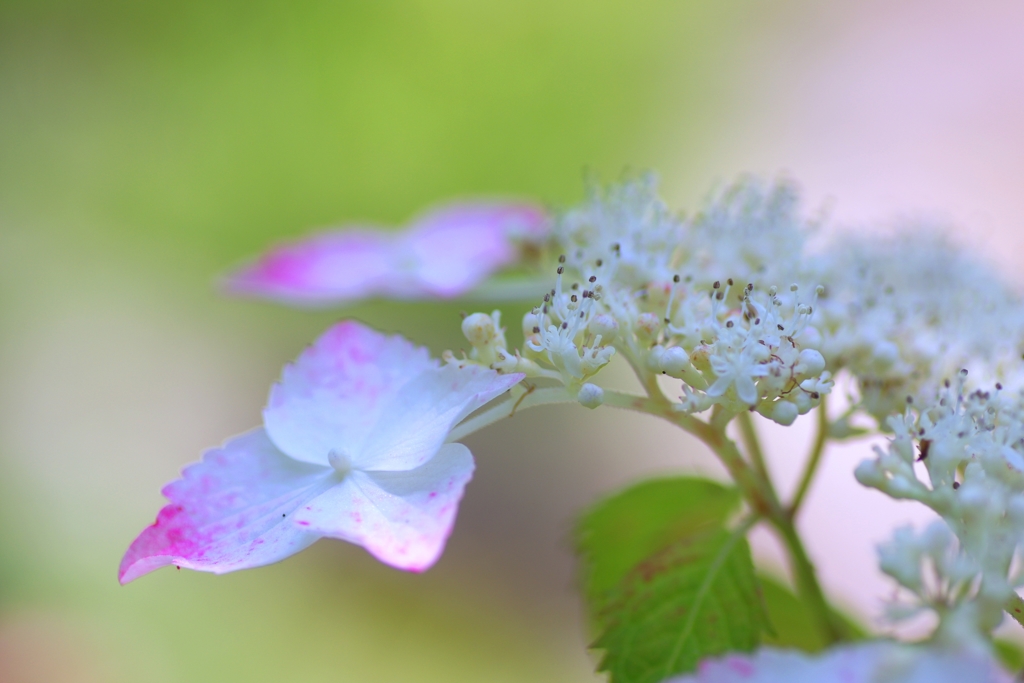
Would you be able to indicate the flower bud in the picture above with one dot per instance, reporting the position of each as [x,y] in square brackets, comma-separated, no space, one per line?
[809,362]
[675,362]
[652,359]
[782,412]
[590,395]
[802,401]
[869,474]
[605,325]
[479,329]
[648,324]
[701,358]
[485,335]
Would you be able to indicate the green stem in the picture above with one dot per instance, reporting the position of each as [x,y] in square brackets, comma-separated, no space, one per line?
[752,445]
[755,483]
[758,495]
[817,450]
[647,379]
[805,579]
[527,398]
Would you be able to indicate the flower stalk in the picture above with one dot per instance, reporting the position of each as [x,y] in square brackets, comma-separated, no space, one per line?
[813,460]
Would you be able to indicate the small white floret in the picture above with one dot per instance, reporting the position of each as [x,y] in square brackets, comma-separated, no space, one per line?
[478,328]
[590,395]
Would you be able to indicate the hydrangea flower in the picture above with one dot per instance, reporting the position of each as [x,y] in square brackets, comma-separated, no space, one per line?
[623,234]
[970,446]
[877,662]
[751,231]
[730,311]
[635,279]
[903,314]
[936,574]
[443,254]
[353,447]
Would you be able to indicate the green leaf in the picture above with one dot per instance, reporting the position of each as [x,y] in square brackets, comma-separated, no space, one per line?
[696,598]
[792,623]
[621,531]
[1009,653]
[666,582]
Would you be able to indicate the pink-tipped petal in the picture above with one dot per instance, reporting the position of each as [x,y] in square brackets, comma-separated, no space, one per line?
[417,419]
[876,662]
[334,395]
[444,254]
[324,269]
[231,511]
[401,518]
[458,247]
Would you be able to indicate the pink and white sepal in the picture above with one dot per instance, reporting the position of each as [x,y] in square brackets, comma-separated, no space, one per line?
[354,446]
[442,255]
[871,662]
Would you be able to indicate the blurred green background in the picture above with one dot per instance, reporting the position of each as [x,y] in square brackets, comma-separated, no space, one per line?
[147,147]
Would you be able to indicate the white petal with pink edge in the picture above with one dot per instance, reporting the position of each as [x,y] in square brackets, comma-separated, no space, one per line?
[378,401]
[230,511]
[403,518]
[353,448]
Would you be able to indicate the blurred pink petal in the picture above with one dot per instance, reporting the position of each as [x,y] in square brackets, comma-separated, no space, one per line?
[444,254]
[458,247]
[326,267]
[230,511]
[353,448]
[876,662]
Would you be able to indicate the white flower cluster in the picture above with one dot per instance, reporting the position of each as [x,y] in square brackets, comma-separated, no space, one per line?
[903,313]
[971,448]
[734,303]
[624,234]
[634,278]
[932,566]
[751,232]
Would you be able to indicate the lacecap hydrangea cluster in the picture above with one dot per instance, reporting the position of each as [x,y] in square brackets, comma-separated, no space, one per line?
[741,306]
[737,304]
